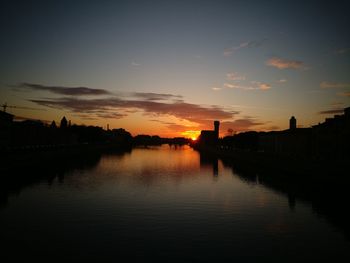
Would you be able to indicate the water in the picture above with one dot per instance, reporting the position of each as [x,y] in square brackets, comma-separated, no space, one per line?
[166,204]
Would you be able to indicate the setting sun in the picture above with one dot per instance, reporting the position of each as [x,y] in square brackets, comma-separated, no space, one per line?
[191,134]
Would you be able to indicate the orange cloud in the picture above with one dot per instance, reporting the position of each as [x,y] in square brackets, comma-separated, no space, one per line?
[344,94]
[285,63]
[332,111]
[234,76]
[256,85]
[336,85]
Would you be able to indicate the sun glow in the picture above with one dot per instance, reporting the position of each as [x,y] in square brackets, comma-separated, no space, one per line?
[193,135]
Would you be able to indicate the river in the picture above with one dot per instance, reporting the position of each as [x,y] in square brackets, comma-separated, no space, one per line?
[161,203]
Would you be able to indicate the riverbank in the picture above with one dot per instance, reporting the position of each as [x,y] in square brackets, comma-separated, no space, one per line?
[286,164]
[54,155]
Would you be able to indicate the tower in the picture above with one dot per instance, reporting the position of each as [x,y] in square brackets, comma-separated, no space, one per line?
[216,128]
[64,123]
[292,123]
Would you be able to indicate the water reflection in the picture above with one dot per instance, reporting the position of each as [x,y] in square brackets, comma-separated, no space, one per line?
[169,204]
[326,194]
[16,178]
[211,162]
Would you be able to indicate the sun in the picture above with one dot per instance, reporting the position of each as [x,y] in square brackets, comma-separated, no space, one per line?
[193,135]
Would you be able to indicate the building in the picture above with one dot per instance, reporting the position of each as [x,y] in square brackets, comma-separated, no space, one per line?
[210,137]
[292,123]
[64,123]
[327,140]
[6,120]
[331,138]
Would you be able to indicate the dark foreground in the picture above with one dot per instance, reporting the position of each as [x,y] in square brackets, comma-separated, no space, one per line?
[169,204]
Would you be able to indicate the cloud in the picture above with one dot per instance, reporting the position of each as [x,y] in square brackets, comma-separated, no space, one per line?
[135,64]
[325,84]
[84,91]
[337,104]
[216,88]
[163,122]
[111,115]
[233,86]
[273,128]
[281,81]
[250,44]
[175,127]
[182,110]
[341,51]
[262,85]
[71,91]
[155,96]
[153,104]
[344,94]
[256,85]
[234,76]
[22,118]
[281,63]
[178,127]
[242,124]
[332,111]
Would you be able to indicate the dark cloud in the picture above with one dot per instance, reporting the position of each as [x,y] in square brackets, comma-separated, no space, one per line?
[248,44]
[71,91]
[84,91]
[332,111]
[22,118]
[342,51]
[155,96]
[273,128]
[111,115]
[80,105]
[182,110]
[243,124]
[152,104]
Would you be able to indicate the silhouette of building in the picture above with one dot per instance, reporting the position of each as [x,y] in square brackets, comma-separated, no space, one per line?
[292,123]
[347,112]
[6,120]
[331,139]
[64,123]
[327,140]
[210,137]
[53,125]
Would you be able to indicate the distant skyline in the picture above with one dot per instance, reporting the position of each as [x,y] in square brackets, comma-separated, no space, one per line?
[172,67]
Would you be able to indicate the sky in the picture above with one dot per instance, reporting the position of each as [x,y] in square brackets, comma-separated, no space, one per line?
[173,67]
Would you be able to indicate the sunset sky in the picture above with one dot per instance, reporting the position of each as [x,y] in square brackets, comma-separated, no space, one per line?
[172,67]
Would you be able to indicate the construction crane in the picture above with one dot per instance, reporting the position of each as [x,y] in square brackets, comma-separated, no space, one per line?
[5,106]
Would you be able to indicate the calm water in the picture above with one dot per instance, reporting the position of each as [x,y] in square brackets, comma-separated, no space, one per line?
[165,204]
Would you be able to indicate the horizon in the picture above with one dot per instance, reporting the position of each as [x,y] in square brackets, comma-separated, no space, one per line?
[193,136]
[171,68]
